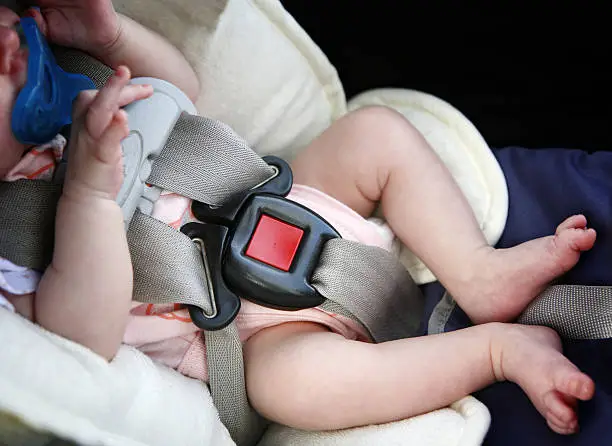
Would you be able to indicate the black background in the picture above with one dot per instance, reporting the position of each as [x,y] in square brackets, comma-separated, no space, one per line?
[535,74]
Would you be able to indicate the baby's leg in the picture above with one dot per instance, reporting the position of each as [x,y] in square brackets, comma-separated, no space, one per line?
[375,155]
[301,375]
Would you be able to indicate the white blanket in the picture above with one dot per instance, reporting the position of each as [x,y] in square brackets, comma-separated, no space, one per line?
[57,385]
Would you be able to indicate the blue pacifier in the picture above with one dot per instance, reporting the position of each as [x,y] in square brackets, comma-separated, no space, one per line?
[44,105]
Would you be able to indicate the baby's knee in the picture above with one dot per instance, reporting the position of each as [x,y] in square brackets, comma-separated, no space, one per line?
[383,124]
[283,404]
[378,116]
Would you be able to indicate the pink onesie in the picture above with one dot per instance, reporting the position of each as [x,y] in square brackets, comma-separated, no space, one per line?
[165,332]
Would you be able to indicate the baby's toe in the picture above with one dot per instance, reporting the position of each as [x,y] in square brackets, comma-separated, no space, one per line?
[574,384]
[574,222]
[559,410]
[562,428]
[570,241]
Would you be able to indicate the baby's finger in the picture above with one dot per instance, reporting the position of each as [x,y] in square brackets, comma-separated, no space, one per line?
[134,92]
[106,103]
[129,94]
[82,103]
[109,143]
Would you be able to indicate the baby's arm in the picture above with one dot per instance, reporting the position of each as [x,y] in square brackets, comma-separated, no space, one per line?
[94,26]
[149,54]
[85,293]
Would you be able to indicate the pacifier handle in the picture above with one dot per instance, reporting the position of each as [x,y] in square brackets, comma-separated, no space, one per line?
[44,104]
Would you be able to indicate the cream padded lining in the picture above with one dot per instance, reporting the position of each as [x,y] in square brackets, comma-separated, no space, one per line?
[463,423]
[259,71]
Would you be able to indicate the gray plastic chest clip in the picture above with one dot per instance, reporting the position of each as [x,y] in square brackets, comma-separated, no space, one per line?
[150,121]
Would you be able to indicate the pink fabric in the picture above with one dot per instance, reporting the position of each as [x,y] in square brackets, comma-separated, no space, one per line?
[39,162]
[165,332]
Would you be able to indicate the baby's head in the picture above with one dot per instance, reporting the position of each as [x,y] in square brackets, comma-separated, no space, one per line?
[13,71]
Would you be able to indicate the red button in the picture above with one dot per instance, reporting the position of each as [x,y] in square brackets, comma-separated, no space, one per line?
[274,242]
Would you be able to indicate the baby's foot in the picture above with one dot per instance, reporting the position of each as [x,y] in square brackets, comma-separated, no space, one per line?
[531,357]
[505,281]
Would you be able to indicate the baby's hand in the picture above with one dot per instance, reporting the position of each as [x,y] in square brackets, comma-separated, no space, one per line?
[95,167]
[89,25]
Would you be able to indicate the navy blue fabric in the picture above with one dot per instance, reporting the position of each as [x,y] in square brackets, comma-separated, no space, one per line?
[545,187]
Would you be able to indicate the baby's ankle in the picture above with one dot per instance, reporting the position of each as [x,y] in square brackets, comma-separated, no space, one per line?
[471,272]
[499,335]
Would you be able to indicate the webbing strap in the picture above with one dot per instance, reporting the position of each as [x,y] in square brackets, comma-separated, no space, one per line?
[168,266]
[27,215]
[228,386]
[206,161]
[75,61]
[440,314]
[574,311]
[372,285]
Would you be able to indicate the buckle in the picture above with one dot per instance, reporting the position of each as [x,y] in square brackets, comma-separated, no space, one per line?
[259,246]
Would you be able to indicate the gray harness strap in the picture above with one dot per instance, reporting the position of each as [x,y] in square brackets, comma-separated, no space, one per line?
[348,271]
[227,383]
[218,163]
[440,314]
[574,311]
[206,161]
[26,235]
[75,61]
[168,266]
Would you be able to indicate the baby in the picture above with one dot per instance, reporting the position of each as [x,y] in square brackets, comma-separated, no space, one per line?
[308,369]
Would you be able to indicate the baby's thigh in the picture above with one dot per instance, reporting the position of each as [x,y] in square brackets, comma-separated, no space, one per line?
[350,160]
[302,375]
[278,366]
